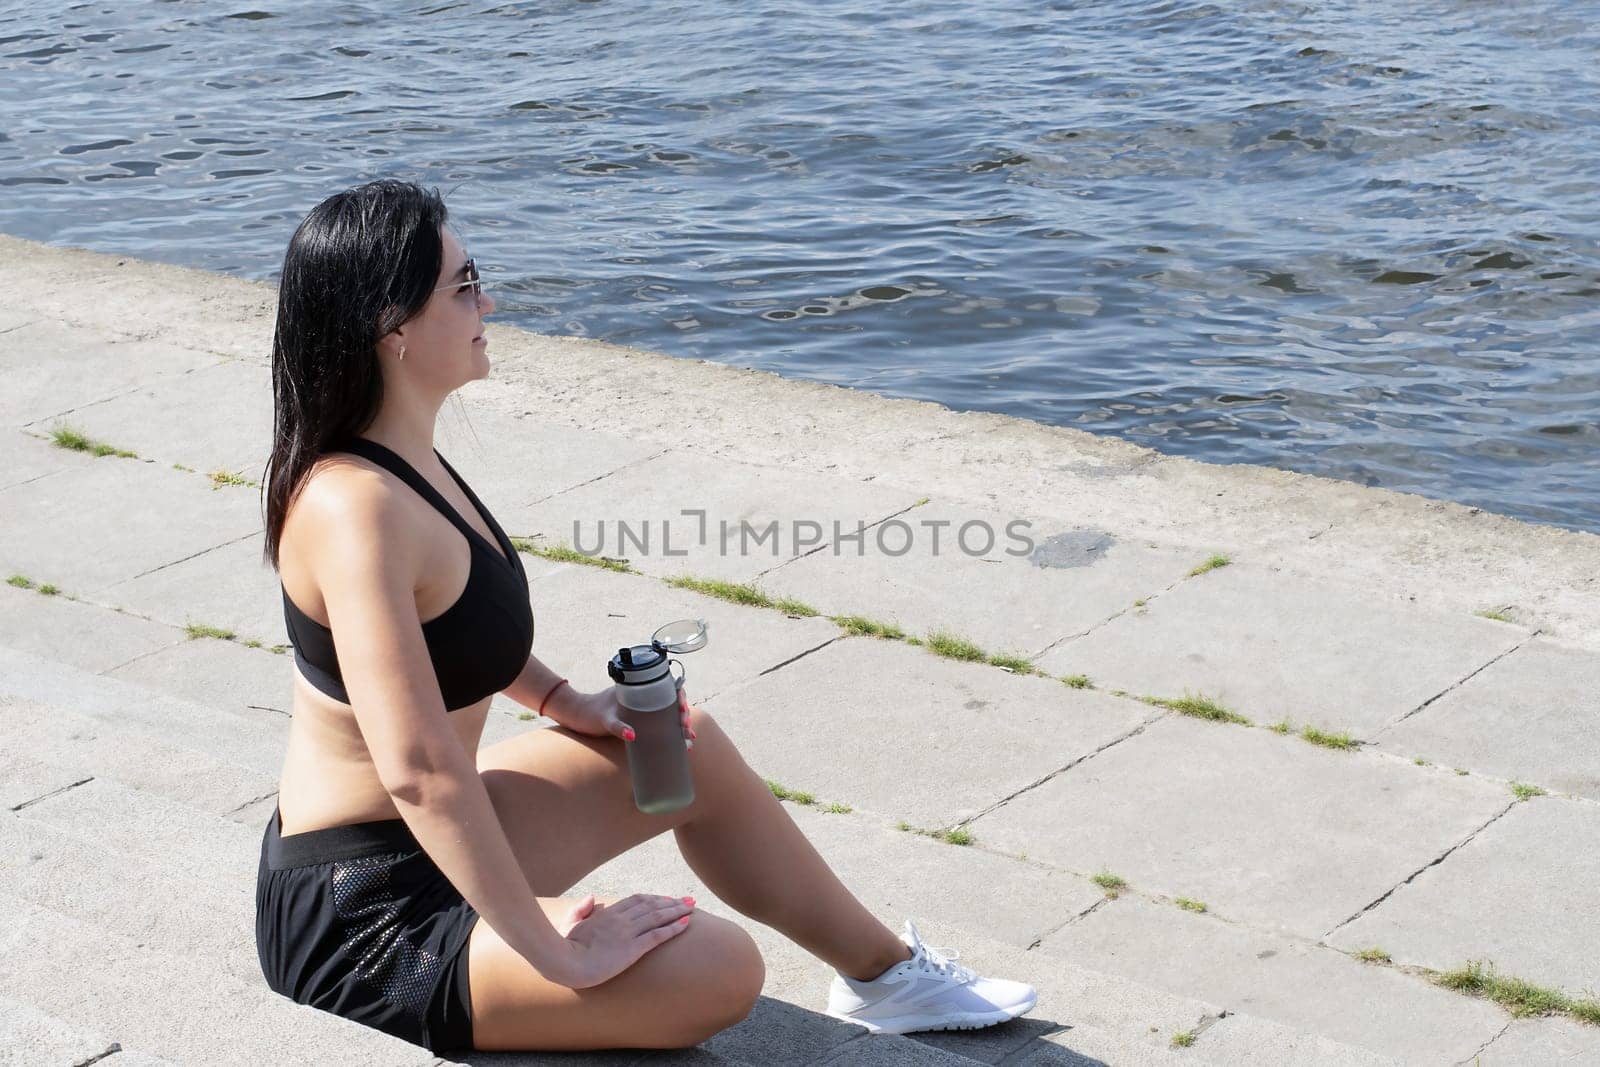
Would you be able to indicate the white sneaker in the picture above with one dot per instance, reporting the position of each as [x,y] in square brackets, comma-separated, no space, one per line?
[928,992]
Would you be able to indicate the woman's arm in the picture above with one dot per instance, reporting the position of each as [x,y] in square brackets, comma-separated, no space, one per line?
[428,774]
[534,683]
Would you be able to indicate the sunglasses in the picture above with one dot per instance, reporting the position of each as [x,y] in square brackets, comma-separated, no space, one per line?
[473,282]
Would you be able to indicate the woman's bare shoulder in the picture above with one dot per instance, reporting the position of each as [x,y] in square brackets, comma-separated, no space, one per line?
[343,492]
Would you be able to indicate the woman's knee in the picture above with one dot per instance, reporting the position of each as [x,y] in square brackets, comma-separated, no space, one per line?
[720,973]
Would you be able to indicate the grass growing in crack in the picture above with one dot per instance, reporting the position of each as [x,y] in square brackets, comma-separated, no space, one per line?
[220,478]
[1186,904]
[1516,995]
[1419,761]
[1199,706]
[1373,955]
[1460,770]
[958,836]
[861,626]
[252,643]
[1343,742]
[198,630]
[1139,603]
[737,593]
[49,590]
[1183,1039]
[278,650]
[953,647]
[1113,884]
[1497,614]
[21,581]
[784,793]
[1210,564]
[526,715]
[1077,681]
[1014,664]
[795,607]
[77,442]
[1524,791]
[1282,726]
[568,554]
[838,809]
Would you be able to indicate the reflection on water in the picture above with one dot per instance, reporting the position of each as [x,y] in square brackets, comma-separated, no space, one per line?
[1310,236]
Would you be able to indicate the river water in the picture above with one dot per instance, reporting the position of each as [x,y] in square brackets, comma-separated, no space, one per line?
[1349,238]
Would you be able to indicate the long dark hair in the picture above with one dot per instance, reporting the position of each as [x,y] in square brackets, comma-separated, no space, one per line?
[360,264]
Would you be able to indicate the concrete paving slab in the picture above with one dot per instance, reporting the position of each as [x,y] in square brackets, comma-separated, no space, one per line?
[515,459]
[24,457]
[124,753]
[215,416]
[968,571]
[583,614]
[1528,717]
[1261,827]
[144,898]
[53,372]
[892,1050]
[1552,1042]
[1273,647]
[742,499]
[24,779]
[909,735]
[78,632]
[1524,894]
[154,828]
[1246,1041]
[119,518]
[174,1004]
[38,1039]
[1310,989]
[226,585]
[211,730]
[252,683]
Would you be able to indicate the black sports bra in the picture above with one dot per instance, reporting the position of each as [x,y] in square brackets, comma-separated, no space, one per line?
[481,642]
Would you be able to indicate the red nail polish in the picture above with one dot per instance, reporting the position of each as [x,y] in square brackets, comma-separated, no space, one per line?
[689,901]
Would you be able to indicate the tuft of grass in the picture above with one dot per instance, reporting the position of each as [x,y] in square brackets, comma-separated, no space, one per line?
[1585,1011]
[49,590]
[913,640]
[796,607]
[1518,996]
[1139,603]
[1191,905]
[1373,955]
[1419,761]
[252,643]
[838,809]
[1113,884]
[778,790]
[197,630]
[568,554]
[278,650]
[220,478]
[1282,726]
[1460,770]
[1183,1039]
[784,793]
[1343,742]
[952,647]
[1210,564]
[733,592]
[921,502]
[64,437]
[1524,791]
[21,581]
[1199,706]
[958,836]
[181,467]
[1014,664]
[1497,614]
[861,626]
[526,715]
[1119,692]
[1077,681]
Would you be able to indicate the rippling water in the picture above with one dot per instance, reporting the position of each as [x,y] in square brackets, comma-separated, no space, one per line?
[1351,238]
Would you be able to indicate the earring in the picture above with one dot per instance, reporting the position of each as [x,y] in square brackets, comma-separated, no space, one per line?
[402,351]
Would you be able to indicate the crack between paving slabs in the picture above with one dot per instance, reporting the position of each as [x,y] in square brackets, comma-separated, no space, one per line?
[1135,732]
[1024,1051]
[590,481]
[53,792]
[1473,1059]
[792,659]
[246,804]
[18,326]
[116,1047]
[1056,929]
[1107,620]
[1414,874]
[174,563]
[1455,685]
[877,522]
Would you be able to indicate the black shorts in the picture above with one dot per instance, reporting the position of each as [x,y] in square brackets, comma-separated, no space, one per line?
[358,921]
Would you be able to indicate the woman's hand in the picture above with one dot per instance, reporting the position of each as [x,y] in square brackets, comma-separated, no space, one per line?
[608,939]
[599,715]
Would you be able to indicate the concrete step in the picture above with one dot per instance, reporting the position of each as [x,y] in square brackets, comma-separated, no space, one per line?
[35,1038]
[172,1003]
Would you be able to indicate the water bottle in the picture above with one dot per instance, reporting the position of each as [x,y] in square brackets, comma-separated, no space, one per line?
[647,690]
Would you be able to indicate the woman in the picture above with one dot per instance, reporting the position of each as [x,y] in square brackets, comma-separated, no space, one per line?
[408,610]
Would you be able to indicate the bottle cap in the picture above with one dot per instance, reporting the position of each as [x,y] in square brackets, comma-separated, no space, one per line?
[685,635]
[636,664]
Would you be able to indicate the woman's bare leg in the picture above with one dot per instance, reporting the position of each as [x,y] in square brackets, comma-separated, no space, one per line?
[566,803]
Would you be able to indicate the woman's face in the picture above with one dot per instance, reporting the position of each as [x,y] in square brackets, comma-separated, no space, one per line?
[445,337]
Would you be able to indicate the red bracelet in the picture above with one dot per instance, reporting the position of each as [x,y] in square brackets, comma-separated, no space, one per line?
[550,694]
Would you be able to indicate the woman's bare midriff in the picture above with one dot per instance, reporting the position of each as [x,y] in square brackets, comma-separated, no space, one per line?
[328,776]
